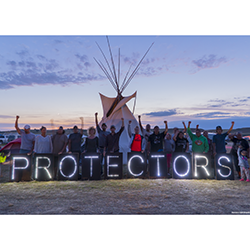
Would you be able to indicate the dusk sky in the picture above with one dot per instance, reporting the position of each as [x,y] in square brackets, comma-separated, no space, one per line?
[204,79]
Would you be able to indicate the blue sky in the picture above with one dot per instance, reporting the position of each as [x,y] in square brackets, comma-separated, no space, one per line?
[204,79]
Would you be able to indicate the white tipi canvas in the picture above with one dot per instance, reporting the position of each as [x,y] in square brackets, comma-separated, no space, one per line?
[121,110]
[115,108]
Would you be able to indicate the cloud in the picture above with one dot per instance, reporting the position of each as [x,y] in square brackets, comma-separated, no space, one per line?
[84,60]
[212,115]
[58,41]
[169,112]
[208,62]
[42,70]
[29,77]
[134,59]
[243,100]
[41,57]
[23,53]
[220,103]
[216,100]
[6,116]
[12,63]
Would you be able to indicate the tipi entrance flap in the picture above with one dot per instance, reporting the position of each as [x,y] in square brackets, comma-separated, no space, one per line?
[124,101]
[106,103]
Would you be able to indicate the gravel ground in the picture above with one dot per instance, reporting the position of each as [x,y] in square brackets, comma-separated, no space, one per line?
[127,196]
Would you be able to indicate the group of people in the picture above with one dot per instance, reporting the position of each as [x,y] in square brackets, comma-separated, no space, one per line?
[142,140]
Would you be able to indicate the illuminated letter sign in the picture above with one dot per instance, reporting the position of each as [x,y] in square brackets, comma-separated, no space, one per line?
[43,167]
[224,167]
[157,165]
[182,166]
[91,166]
[21,168]
[136,164]
[68,167]
[202,166]
[113,166]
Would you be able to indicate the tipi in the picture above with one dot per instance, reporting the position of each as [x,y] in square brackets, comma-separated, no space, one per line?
[115,108]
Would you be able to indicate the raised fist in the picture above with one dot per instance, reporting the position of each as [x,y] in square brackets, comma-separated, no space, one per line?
[165,122]
[129,122]
[139,116]
[17,117]
[96,114]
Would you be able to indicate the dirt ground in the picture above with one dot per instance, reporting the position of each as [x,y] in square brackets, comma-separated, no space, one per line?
[126,196]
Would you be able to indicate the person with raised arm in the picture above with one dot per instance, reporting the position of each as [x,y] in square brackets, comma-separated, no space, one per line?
[176,132]
[145,132]
[155,141]
[199,142]
[137,141]
[181,143]
[27,138]
[112,139]
[219,140]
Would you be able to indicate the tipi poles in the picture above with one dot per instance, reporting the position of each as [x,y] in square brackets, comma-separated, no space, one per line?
[135,70]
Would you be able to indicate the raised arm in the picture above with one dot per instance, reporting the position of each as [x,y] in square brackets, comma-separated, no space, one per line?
[231,128]
[122,127]
[139,118]
[96,120]
[96,123]
[81,118]
[166,127]
[16,125]
[185,128]
[189,131]
[129,128]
